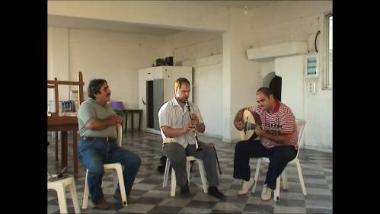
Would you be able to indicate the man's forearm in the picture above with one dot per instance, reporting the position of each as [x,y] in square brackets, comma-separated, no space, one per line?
[281,139]
[173,132]
[98,124]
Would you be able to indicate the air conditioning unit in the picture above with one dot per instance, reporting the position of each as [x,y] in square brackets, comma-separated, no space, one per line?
[277,50]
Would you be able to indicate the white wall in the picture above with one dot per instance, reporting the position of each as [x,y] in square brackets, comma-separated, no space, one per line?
[291,70]
[274,23]
[265,69]
[207,92]
[285,21]
[115,57]
[58,62]
[192,45]
[177,14]
[241,77]
[202,51]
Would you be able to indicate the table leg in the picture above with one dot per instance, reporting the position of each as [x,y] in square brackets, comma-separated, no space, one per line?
[75,153]
[132,122]
[56,145]
[140,120]
[126,123]
[63,149]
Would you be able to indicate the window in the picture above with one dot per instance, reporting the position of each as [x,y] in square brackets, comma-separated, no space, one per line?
[328,52]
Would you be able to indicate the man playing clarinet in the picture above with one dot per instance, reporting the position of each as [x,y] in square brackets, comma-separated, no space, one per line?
[178,129]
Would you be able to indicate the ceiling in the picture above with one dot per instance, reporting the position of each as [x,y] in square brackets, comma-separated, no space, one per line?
[84,23]
[239,4]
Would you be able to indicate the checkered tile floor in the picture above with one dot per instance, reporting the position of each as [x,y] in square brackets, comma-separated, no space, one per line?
[150,197]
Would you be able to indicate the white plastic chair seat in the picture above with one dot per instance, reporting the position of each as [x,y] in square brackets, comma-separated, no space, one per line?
[300,128]
[116,169]
[202,173]
[60,186]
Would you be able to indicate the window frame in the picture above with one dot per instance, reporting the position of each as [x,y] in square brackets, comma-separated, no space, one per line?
[326,76]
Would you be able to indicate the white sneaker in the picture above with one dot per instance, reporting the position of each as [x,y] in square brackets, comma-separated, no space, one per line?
[246,187]
[266,194]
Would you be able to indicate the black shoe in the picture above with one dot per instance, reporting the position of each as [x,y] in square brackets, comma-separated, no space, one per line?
[215,192]
[103,204]
[185,192]
[161,169]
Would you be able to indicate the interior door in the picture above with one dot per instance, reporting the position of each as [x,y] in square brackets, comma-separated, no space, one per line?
[158,100]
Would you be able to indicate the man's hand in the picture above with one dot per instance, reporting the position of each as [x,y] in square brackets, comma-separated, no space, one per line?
[238,122]
[114,120]
[176,132]
[188,128]
[194,119]
[239,125]
[99,124]
[259,131]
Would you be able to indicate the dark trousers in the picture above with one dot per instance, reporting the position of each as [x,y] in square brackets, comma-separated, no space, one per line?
[177,156]
[279,157]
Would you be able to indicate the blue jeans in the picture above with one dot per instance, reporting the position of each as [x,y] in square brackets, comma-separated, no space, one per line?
[93,154]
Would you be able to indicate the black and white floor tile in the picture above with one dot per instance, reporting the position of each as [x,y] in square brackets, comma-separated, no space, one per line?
[150,197]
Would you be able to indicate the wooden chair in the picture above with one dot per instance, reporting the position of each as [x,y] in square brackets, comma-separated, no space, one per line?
[53,84]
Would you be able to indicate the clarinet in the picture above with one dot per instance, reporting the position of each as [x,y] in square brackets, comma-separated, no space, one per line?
[195,129]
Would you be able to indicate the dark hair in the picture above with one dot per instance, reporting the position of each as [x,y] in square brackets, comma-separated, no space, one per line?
[94,87]
[178,83]
[265,90]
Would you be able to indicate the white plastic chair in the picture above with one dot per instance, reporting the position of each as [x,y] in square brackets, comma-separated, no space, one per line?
[60,186]
[202,172]
[117,171]
[300,128]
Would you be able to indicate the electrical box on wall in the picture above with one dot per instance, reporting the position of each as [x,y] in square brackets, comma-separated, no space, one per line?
[311,87]
[311,66]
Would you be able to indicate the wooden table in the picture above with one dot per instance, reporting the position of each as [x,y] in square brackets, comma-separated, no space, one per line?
[125,113]
[65,124]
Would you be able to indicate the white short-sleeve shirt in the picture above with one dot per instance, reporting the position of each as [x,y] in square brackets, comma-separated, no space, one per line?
[171,114]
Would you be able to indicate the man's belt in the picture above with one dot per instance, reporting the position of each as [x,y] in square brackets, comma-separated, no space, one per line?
[106,139]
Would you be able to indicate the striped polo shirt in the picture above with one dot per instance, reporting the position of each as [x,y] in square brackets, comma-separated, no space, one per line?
[280,121]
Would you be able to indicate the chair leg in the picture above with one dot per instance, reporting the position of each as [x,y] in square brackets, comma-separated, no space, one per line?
[188,165]
[256,178]
[119,171]
[85,193]
[173,184]
[115,179]
[300,175]
[74,197]
[56,145]
[61,199]
[166,173]
[202,172]
[276,196]
[284,178]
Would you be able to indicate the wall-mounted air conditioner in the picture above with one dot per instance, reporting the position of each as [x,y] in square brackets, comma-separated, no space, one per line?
[277,50]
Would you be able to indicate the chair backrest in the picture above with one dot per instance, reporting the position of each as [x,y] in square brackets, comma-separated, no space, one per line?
[300,128]
[119,134]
